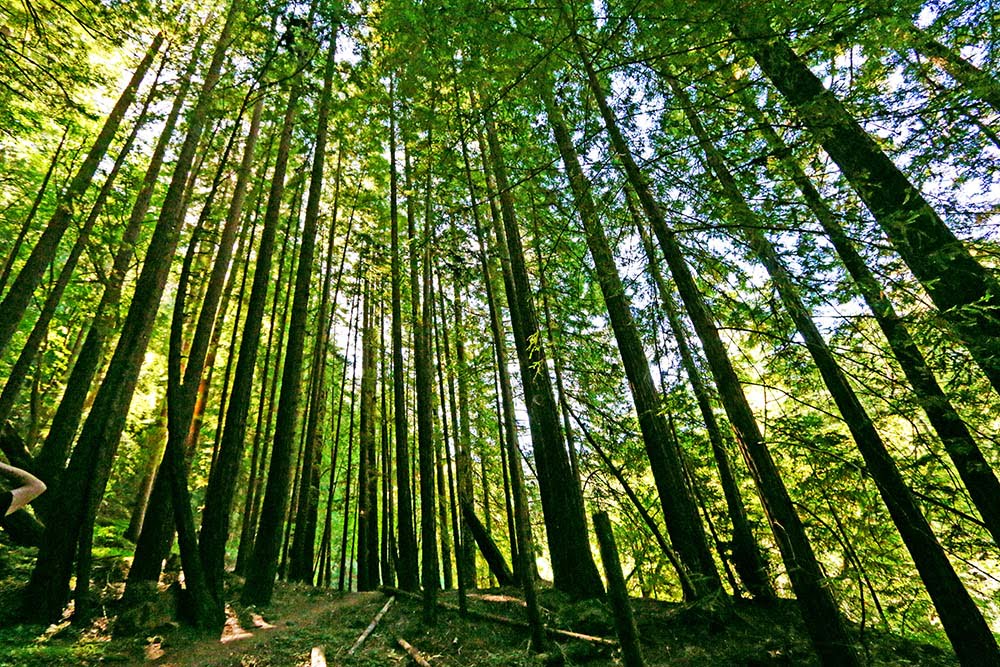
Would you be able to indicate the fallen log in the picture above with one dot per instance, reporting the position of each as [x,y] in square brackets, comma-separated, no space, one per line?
[414,653]
[371,626]
[495,618]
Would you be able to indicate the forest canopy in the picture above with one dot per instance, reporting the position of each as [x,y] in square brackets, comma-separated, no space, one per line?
[407,294]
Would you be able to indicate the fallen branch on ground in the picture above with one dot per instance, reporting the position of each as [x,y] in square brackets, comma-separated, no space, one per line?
[371,626]
[388,590]
[414,653]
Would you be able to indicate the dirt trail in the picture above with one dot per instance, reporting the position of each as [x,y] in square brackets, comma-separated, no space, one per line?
[285,633]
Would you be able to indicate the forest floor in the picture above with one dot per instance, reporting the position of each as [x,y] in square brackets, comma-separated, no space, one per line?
[304,623]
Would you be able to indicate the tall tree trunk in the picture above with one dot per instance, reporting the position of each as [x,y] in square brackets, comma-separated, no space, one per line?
[223,476]
[441,459]
[964,624]
[264,562]
[301,567]
[679,509]
[326,570]
[967,295]
[819,609]
[466,553]
[958,441]
[406,565]
[325,558]
[269,375]
[424,388]
[557,358]
[451,453]
[388,545]
[206,592]
[87,474]
[346,514]
[51,459]
[749,562]
[562,503]
[368,574]
[506,420]
[16,301]
[521,539]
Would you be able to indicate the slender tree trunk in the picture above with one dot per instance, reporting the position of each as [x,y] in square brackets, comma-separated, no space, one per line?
[301,568]
[367,475]
[746,555]
[504,414]
[86,477]
[346,514]
[964,624]
[557,359]
[223,477]
[388,545]
[510,453]
[521,535]
[16,301]
[463,458]
[264,562]
[562,503]
[440,458]
[424,389]
[406,565]
[51,459]
[460,546]
[269,374]
[819,609]
[965,292]
[679,509]
[36,203]
[327,569]
[208,602]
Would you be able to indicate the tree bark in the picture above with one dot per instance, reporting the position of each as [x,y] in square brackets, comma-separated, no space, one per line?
[967,295]
[51,459]
[562,503]
[264,561]
[16,301]
[819,609]
[301,566]
[406,565]
[679,509]
[964,624]
[621,608]
[424,390]
[368,573]
[87,474]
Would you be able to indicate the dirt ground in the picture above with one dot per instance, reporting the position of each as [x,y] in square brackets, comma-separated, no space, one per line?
[310,626]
